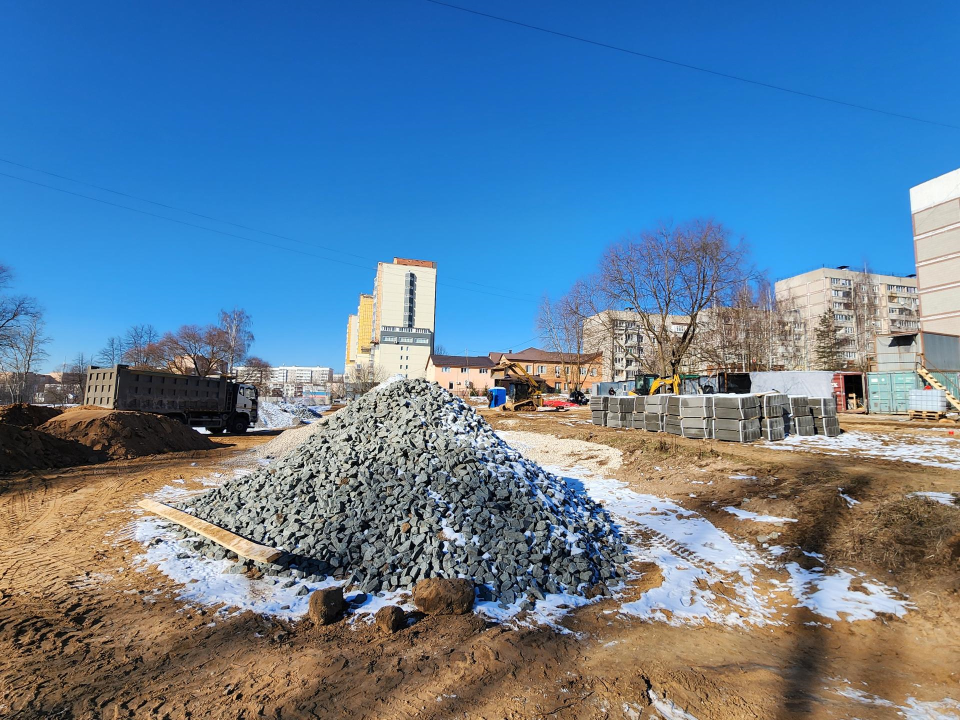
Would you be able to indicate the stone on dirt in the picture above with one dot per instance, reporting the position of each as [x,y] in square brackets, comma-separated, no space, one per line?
[390,619]
[442,596]
[326,605]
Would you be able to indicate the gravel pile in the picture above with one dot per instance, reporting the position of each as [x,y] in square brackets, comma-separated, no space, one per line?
[407,483]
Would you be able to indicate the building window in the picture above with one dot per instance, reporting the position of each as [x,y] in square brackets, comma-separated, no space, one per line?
[464,370]
[541,370]
[483,371]
[593,372]
[528,368]
[445,369]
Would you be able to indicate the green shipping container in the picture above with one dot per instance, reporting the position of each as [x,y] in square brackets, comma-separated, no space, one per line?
[888,393]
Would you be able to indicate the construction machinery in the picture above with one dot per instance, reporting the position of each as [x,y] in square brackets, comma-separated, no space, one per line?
[651,384]
[523,390]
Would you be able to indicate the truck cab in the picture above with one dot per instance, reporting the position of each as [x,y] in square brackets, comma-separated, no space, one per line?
[247,402]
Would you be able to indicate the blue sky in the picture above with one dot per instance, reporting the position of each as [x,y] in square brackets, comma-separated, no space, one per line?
[377,128]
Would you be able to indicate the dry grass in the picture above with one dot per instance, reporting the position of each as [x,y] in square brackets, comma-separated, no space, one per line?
[911,535]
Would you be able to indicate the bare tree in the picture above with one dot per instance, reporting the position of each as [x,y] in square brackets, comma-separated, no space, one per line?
[14,309]
[235,325]
[362,378]
[137,342]
[864,307]
[111,353]
[439,350]
[21,355]
[561,326]
[77,380]
[194,350]
[669,277]
[255,371]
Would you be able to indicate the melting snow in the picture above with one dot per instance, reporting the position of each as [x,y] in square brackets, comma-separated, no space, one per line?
[747,515]
[941,452]
[831,595]
[943,498]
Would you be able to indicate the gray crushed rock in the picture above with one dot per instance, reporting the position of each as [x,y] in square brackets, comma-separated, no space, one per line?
[409,482]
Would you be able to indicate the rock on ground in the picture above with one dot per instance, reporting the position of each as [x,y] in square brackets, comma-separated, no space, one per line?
[390,619]
[326,605]
[440,596]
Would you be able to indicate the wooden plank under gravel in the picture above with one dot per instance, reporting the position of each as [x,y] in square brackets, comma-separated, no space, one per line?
[242,547]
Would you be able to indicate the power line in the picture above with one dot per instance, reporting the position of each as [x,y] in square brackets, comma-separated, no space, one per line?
[234,235]
[213,219]
[697,68]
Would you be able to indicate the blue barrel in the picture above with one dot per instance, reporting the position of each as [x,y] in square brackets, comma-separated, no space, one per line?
[498,396]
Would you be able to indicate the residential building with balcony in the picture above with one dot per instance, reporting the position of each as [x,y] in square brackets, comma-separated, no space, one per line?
[864,305]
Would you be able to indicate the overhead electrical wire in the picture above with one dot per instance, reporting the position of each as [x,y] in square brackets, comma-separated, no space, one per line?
[235,235]
[224,232]
[696,68]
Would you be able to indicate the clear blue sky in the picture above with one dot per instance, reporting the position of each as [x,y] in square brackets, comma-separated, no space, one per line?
[376,128]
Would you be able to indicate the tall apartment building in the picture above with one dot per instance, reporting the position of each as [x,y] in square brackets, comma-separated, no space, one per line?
[863,305]
[360,333]
[402,312]
[935,207]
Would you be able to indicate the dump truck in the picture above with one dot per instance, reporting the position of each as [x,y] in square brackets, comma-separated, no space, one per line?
[219,403]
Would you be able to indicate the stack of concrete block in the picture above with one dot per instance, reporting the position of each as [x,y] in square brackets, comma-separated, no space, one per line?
[737,418]
[620,411]
[772,426]
[598,409]
[696,416]
[654,411]
[824,411]
[639,405]
[671,421]
[801,416]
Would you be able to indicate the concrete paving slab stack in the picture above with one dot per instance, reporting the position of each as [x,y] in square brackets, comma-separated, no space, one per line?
[598,409]
[824,411]
[620,414]
[801,416]
[671,420]
[654,411]
[639,405]
[737,418]
[696,416]
[772,426]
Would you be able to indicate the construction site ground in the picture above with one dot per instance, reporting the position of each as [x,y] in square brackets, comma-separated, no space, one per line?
[88,631]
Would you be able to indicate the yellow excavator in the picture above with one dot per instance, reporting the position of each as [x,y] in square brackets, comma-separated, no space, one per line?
[673,382]
[523,390]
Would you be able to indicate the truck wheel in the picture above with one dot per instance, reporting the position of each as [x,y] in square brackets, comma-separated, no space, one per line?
[239,426]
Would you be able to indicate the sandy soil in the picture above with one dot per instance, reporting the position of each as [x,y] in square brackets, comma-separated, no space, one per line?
[86,633]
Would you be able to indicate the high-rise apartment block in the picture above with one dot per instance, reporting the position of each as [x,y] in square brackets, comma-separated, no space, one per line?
[394,326]
[935,207]
[863,304]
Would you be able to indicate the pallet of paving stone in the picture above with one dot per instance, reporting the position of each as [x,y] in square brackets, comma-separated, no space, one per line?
[598,418]
[673,405]
[745,430]
[696,406]
[799,404]
[736,407]
[656,403]
[672,425]
[829,426]
[636,421]
[823,406]
[599,403]
[653,422]
[772,404]
[622,404]
[699,428]
[619,419]
[772,429]
[640,404]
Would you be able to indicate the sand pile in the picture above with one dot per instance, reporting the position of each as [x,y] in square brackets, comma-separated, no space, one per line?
[25,415]
[115,434]
[29,449]
[409,482]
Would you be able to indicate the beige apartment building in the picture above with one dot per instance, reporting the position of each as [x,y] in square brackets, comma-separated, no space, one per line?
[399,335]
[935,207]
[624,348]
[864,305]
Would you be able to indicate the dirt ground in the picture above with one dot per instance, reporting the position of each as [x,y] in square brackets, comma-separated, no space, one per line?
[85,632]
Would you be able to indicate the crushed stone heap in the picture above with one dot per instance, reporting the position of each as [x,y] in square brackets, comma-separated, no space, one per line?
[408,482]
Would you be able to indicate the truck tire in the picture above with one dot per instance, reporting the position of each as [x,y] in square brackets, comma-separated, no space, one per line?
[239,426]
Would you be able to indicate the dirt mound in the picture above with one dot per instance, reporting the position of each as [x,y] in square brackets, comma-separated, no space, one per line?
[25,415]
[28,449]
[118,434]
